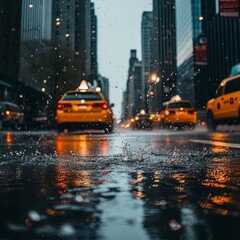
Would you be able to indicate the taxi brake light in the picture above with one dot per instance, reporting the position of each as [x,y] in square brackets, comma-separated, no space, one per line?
[59,106]
[101,105]
[105,106]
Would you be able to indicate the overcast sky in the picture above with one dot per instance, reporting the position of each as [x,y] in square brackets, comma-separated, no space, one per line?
[119,30]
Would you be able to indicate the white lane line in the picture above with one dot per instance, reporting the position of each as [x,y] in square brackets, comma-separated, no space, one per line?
[220,144]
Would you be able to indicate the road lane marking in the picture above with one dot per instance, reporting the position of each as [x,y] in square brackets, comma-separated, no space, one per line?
[219,144]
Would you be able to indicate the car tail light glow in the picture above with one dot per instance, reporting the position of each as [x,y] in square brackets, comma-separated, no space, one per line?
[61,106]
[105,106]
[101,105]
[167,112]
[192,112]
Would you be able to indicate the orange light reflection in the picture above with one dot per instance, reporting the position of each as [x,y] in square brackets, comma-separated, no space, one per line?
[83,145]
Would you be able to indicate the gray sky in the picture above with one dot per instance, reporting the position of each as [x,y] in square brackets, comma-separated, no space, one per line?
[119,30]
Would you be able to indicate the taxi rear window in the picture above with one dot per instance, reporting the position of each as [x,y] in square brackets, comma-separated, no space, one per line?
[90,96]
[180,104]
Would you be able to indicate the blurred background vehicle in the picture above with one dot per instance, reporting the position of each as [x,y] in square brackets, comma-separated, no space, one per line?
[225,107]
[41,121]
[11,116]
[142,121]
[84,108]
[178,114]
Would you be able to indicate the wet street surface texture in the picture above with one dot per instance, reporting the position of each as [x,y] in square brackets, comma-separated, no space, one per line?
[158,184]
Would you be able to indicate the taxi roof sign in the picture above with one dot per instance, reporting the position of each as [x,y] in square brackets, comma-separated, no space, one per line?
[235,70]
[83,85]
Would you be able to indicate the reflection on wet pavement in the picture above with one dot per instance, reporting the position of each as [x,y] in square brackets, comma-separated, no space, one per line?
[106,187]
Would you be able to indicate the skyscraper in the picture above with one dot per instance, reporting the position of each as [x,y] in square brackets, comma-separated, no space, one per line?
[222,34]
[133,93]
[147,54]
[36,20]
[35,28]
[10,22]
[71,26]
[94,56]
[64,22]
[164,37]
[189,28]
[83,37]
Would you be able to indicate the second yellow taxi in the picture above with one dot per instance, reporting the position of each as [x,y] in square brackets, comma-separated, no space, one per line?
[178,114]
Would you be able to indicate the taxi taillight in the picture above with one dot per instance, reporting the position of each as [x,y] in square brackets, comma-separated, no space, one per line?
[101,105]
[192,112]
[104,106]
[61,106]
[169,112]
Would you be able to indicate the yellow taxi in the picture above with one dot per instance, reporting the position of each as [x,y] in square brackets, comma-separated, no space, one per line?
[84,108]
[179,114]
[224,108]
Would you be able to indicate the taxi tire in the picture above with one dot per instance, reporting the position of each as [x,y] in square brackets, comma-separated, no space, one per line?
[211,123]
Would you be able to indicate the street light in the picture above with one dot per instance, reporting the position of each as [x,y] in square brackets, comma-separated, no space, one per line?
[154,78]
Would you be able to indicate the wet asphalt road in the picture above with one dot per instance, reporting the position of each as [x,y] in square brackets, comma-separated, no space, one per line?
[158,184]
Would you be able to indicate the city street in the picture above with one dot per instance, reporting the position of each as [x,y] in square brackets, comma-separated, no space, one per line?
[159,184]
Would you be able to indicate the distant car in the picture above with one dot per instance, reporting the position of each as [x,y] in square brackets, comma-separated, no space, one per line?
[84,109]
[142,121]
[41,121]
[10,116]
[178,114]
[224,108]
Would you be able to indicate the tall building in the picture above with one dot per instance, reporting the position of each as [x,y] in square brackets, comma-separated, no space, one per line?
[36,20]
[63,22]
[147,54]
[83,37]
[103,83]
[189,28]
[222,35]
[10,30]
[94,59]
[207,47]
[71,26]
[134,101]
[35,28]
[164,41]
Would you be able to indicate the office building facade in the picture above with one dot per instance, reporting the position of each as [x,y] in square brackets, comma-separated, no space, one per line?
[188,28]
[134,102]
[147,54]
[94,49]
[10,31]
[164,42]
[223,51]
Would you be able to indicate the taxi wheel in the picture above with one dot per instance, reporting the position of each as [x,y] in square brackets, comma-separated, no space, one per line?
[211,123]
